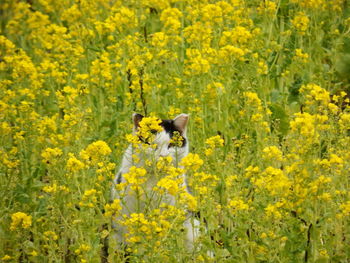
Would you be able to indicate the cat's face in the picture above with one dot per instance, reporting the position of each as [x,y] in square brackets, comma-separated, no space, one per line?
[171,141]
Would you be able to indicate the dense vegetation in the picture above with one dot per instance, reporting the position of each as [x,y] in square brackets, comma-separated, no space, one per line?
[266,85]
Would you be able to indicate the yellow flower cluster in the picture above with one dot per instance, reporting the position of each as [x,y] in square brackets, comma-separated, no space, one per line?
[170,17]
[335,5]
[147,127]
[214,89]
[135,178]
[237,205]
[192,162]
[50,235]
[274,180]
[198,33]
[113,209]
[304,123]
[213,142]
[196,63]
[82,251]
[54,188]
[20,219]
[262,68]
[238,36]
[344,209]
[300,56]
[73,164]
[170,184]
[89,198]
[272,153]
[95,152]
[188,201]
[153,227]
[267,7]
[177,139]
[344,121]
[255,111]
[315,96]
[253,99]
[203,184]
[50,155]
[301,22]
[273,210]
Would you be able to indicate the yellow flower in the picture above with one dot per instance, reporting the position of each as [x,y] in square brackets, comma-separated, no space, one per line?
[170,184]
[50,235]
[147,127]
[344,121]
[344,209]
[96,151]
[113,208]
[6,258]
[274,180]
[159,39]
[238,205]
[263,235]
[73,164]
[272,153]
[82,248]
[89,198]
[301,22]
[50,189]
[196,63]
[188,201]
[192,162]
[198,33]
[252,99]
[304,123]
[272,211]
[170,17]
[20,219]
[135,177]
[238,36]
[267,7]
[177,139]
[50,155]
[213,142]
[300,56]
[262,68]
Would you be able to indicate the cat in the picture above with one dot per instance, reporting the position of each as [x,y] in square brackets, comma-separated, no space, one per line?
[164,148]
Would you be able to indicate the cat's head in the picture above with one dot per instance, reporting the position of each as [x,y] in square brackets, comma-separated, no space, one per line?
[171,140]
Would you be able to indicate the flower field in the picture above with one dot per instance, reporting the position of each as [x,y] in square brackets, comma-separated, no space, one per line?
[267,88]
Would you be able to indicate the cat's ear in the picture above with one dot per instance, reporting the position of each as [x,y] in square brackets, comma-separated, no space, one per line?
[136,118]
[180,122]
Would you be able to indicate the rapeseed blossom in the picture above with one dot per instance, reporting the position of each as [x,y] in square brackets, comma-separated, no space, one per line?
[135,178]
[95,152]
[213,142]
[238,205]
[20,219]
[272,153]
[301,22]
[50,155]
[192,162]
[147,127]
[113,208]
[73,164]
